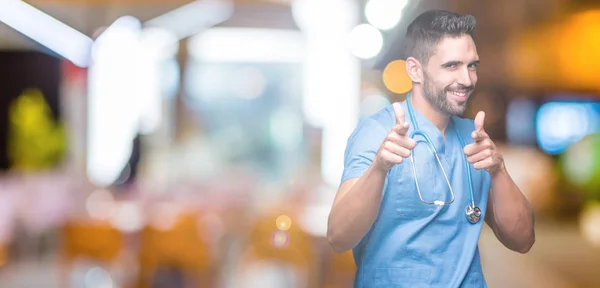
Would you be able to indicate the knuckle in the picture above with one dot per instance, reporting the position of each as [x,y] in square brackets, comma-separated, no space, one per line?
[387,144]
[385,155]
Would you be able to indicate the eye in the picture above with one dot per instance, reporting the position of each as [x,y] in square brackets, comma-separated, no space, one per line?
[473,66]
[451,66]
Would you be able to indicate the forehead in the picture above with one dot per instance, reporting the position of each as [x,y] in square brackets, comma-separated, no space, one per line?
[461,48]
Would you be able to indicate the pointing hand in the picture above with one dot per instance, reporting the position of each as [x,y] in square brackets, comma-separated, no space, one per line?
[482,153]
[397,145]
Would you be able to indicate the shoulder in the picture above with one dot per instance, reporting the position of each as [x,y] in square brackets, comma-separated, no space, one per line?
[378,123]
[385,117]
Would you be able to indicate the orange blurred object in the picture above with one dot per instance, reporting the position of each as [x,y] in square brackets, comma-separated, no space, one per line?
[395,77]
[178,246]
[92,239]
[341,270]
[561,55]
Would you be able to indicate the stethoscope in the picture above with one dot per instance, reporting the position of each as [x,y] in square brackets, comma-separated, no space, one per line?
[473,212]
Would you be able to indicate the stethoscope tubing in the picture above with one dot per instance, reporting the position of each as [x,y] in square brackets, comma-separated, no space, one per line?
[434,151]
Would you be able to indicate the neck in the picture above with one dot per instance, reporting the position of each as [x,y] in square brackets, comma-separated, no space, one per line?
[439,119]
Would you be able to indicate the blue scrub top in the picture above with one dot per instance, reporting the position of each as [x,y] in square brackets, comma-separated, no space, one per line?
[412,244]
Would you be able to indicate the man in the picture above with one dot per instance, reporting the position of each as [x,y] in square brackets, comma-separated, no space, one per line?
[398,240]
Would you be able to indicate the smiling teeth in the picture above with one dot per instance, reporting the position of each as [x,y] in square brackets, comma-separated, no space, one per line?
[459,94]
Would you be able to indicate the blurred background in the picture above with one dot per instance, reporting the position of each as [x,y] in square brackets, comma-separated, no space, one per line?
[148,143]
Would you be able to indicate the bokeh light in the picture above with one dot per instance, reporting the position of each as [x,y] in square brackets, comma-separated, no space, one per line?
[560,124]
[581,165]
[373,103]
[280,239]
[395,77]
[98,278]
[384,14]
[100,204]
[164,216]
[283,222]
[365,41]
[127,217]
[590,223]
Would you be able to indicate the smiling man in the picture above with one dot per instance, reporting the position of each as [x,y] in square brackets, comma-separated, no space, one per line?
[419,179]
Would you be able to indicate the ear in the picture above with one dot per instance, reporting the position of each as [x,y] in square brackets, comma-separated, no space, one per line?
[414,70]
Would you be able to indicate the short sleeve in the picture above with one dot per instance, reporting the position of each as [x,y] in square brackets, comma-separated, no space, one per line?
[361,148]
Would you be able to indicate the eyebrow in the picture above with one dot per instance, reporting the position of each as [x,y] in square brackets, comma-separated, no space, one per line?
[452,63]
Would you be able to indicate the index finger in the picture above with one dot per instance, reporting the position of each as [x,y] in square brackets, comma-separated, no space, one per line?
[399,113]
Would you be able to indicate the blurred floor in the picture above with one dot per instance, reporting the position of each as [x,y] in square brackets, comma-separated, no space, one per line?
[42,273]
[559,259]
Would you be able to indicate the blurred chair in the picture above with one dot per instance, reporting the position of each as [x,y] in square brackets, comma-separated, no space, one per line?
[340,270]
[175,254]
[94,241]
[278,258]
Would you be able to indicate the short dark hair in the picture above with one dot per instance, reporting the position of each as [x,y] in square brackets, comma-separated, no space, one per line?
[429,28]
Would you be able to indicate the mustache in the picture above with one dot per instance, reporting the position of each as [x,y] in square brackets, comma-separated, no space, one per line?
[460,87]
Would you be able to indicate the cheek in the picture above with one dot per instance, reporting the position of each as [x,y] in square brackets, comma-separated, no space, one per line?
[473,76]
[441,82]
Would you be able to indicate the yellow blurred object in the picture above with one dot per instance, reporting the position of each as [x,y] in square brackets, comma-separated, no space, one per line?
[579,50]
[395,77]
[35,141]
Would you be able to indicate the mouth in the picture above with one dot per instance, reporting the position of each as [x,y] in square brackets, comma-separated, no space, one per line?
[460,95]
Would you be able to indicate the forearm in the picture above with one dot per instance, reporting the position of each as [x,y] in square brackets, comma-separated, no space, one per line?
[352,216]
[512,213]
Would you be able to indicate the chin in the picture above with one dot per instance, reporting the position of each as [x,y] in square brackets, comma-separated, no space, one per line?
[457,111]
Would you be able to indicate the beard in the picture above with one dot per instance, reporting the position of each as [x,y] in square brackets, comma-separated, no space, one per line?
[439,99]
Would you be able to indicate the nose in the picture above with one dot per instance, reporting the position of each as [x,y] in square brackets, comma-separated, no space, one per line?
[465,77]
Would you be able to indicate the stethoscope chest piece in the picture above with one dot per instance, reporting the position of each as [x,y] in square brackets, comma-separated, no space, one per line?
[473,213]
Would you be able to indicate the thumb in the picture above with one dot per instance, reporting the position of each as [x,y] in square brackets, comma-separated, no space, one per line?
[479,118]
[399,113]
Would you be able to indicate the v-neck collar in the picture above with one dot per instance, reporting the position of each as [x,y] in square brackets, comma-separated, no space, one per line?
[431,130]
